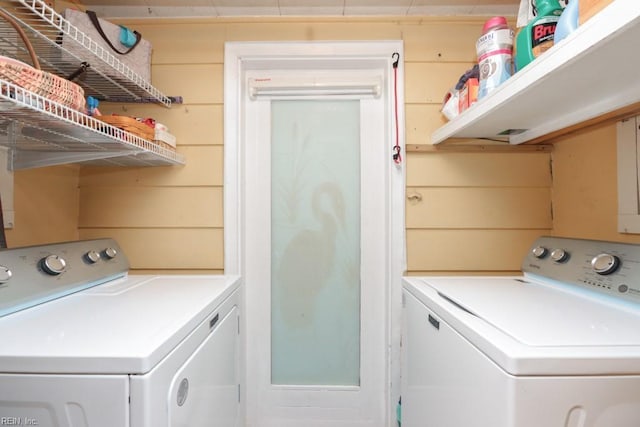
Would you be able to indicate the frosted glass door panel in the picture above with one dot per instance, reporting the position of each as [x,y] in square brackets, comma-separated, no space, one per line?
[315,242]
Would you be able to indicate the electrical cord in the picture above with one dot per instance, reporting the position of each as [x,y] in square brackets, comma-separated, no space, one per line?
[3,237]
[397,156]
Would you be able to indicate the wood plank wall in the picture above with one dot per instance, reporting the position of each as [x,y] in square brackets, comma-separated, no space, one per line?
[471,209]
[46,203]
[475,212]
[478,210]
[585,196]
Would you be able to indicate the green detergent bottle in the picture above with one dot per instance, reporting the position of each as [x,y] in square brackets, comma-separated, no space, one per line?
[537,36]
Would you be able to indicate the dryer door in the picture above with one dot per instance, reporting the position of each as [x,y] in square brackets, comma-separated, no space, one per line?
[197,384]
[204,392]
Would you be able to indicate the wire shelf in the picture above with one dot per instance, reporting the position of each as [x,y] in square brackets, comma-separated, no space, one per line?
[41,132]
[106,77]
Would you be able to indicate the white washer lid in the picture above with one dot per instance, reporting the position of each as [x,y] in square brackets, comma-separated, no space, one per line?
[540,315]
[125,326]
[534,328]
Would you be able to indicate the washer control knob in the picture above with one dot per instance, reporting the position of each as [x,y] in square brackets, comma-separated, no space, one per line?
[92,257]
[5,274]
[540,252]
[559,255]
[53,265]
[605,263]
[110,253]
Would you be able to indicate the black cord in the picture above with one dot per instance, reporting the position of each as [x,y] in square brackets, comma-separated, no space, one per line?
[3,237]
[493,139]
[396,59]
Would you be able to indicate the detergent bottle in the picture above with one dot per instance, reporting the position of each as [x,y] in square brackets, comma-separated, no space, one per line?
[537,36]
[568,22]
[495,50]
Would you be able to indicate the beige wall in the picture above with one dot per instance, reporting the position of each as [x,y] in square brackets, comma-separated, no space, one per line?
[475,212]
[585,199]
[478,212]
[46,203]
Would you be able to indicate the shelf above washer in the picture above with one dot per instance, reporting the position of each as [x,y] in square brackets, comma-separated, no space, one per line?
[106,78]
[40,132]
[590,76]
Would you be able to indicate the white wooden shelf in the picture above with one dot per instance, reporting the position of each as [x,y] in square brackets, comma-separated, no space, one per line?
[595,71]
[40,132]
[106,78]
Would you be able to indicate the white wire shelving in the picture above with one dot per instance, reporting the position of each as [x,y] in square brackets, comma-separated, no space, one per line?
[106,77]
[40,132]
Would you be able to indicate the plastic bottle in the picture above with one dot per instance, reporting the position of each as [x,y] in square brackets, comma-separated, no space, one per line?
[568,22]
[495,54]
[537,36]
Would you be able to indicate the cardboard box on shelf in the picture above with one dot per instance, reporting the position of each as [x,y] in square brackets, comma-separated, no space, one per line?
[468,94]
[61,5]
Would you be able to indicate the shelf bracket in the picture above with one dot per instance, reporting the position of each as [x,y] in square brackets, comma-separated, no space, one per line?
[6,188]
[34,159]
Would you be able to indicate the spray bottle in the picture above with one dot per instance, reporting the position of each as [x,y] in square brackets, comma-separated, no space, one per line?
[537,36]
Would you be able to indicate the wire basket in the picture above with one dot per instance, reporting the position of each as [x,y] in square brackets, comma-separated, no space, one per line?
[129,124]
[35,80]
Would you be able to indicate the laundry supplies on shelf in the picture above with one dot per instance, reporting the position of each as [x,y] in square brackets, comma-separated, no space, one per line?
[537,36]
[495,54]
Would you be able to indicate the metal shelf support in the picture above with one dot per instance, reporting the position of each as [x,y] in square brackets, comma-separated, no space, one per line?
[41,132]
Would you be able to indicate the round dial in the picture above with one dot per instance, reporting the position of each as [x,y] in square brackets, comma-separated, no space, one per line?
[92,257]
[539,252]
[559,255]
[5,274]
[53,265]
[605,263]
[110,253]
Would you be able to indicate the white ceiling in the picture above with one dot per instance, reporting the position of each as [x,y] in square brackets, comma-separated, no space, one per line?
[188,8]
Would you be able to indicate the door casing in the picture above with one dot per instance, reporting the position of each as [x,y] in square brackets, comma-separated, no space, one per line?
[247,57]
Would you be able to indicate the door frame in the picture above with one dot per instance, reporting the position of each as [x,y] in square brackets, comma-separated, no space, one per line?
[243,56]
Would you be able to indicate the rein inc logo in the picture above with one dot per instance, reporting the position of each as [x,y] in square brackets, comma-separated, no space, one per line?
[18,421]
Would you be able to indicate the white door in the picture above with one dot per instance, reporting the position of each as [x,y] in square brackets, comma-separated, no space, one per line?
[314,223]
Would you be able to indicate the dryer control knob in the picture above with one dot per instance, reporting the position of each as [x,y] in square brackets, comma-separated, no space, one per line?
[559,255]
[92,257]
[110,253]
[53,265]
[605,263]
[540,252]
[5,274]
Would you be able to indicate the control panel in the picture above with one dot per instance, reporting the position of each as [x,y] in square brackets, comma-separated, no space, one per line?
[608,267]
[36,274]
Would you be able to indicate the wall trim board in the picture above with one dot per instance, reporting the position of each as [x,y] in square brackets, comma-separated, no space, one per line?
[471,147]
[382,19]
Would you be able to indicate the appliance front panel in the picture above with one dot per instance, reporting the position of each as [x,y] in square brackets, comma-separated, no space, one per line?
[197,384]
[33,275]
[64,400]
[447,382]
[205,391]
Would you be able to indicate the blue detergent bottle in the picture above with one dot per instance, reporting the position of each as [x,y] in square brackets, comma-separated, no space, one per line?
[568,22]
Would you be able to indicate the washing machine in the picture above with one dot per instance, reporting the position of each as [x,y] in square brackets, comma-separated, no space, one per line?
[557,345]
[85,344]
